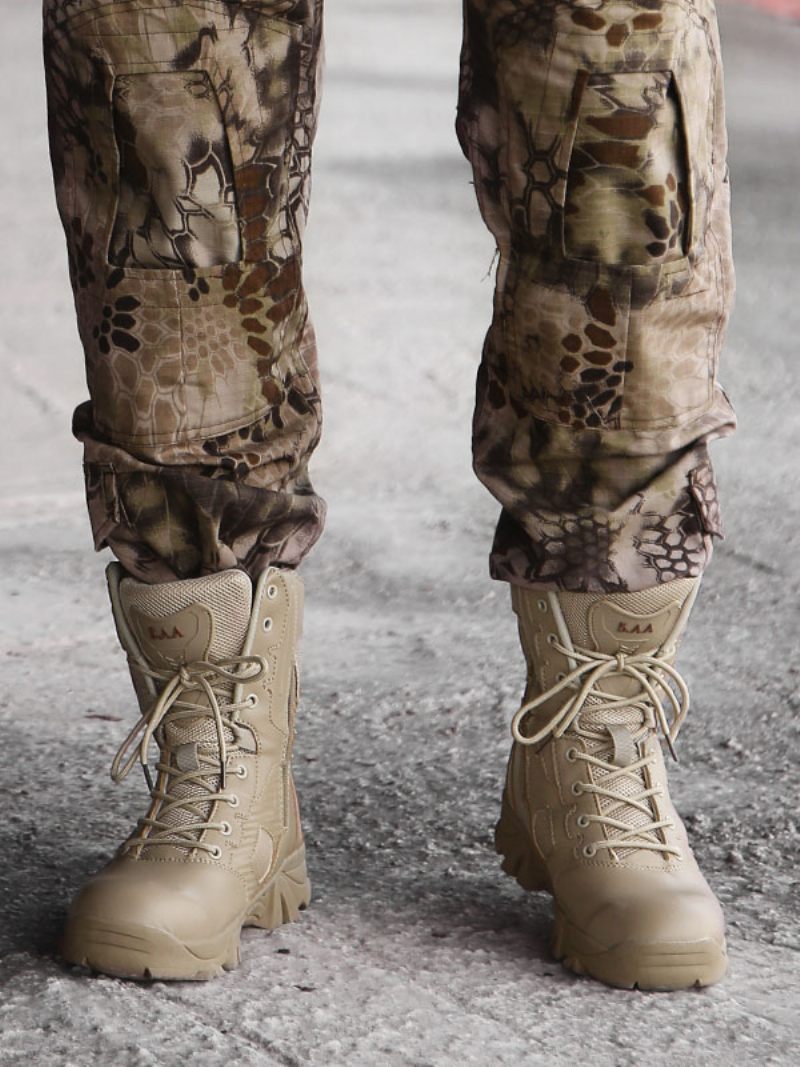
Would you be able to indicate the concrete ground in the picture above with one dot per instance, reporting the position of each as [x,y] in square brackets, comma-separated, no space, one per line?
[417,950]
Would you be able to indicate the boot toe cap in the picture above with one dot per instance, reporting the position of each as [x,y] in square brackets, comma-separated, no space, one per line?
[664,935]
[667,918]
[136,919]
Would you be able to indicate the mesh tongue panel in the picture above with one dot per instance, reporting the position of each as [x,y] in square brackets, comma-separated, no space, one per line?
[227,595]
[593,717]
[623,786]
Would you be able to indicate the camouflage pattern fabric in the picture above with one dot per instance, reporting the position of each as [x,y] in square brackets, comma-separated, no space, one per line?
[181,136]
[181,140]
[595,129]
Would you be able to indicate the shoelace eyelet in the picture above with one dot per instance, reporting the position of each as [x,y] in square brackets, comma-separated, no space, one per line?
[215,853]
[582,821]
[233,800]
[571,754]
[541,605]
[241,771]
[225,829]
[252,700]
[589,851]
[267,624]
[272,591]
[577,789]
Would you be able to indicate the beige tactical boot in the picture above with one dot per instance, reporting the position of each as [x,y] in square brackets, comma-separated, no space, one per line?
[586,815]
[213,663]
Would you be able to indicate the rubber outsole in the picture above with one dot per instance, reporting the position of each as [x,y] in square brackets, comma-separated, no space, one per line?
[139,952]
[653,967]
[662,967]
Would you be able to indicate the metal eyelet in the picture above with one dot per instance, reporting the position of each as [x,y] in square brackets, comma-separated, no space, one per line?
[541,605]
[582,821]
[267,624]
[241,771]
[551,639]
[571,754]
[233,800]
[216,853]
[577,789]
[272,591]
[560,676]
[589,851]
[252,700]
[225,829]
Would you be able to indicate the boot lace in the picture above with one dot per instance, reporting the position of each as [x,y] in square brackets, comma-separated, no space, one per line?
[653,675]
[207,782]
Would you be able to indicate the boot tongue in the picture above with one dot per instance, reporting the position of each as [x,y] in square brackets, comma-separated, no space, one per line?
[630,624]
[627,623]
[175,623]
[179,623]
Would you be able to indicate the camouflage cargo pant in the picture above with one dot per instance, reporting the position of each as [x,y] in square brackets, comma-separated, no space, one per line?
[181,135]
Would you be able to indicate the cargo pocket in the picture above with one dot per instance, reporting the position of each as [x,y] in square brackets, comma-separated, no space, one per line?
[176,202]
[627,198]
[610,313]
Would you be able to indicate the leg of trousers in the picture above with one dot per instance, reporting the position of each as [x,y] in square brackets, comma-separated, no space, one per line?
[181,135]
[180,138]
[595,129]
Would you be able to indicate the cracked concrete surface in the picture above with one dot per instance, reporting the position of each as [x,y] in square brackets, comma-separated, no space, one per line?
[417,950]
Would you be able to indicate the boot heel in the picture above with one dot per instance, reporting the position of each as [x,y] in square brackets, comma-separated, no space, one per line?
[520,859]
[288,893]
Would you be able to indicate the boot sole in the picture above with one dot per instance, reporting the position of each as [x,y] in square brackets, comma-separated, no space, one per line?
[144,953]
[653,967]
[657,967]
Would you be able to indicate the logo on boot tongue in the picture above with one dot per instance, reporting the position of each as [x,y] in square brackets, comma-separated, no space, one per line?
[184,637]
[156,633]
[634,628]
[613,629]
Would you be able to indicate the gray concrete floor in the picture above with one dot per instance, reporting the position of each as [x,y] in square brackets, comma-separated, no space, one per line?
[417,951]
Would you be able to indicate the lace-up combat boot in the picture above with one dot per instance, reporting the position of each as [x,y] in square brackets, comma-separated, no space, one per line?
[213,663]
[586,814]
